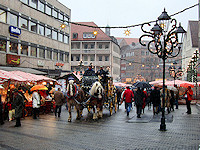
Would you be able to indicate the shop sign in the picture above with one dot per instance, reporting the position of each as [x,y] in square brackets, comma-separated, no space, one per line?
[14,30]
[40,63]
[12,60]
[59,64]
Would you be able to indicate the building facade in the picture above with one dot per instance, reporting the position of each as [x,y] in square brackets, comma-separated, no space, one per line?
[31,35]
[100,49]
[138,62]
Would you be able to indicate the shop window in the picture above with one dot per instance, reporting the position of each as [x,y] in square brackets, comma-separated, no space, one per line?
[41,52]
[61,56]
[106,58]
[40,6]
[66,39]
[54,35]
[33,51]
[33,3]
[49,54]
[100,58]
[48,32]
[13,47]
[33,26]
[48,10]
[41,29]
[55,56]
[3,44]
[24,49]
[55,13]
[13,20]
[2,16]
[23,23]
[60,37]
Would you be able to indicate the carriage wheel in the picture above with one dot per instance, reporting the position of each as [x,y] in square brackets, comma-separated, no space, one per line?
[111,108]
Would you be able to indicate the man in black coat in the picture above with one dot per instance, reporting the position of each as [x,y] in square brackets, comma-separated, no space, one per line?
[89,71]
[155,99]
[138,97]
[18,102]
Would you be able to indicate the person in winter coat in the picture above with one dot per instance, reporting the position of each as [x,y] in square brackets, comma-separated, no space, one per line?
[36,104]
[138,97]
[18,103]
[1,112]
[155,99]
[189,93]
[59,100]
[128,96]
[172,100]
[144,99]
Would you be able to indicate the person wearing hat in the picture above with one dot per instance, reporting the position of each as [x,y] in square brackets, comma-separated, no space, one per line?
[18,103]
[89,71]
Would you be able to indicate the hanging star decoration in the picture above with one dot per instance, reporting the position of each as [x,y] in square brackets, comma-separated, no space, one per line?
[95,33]
[62,26]
[127,32]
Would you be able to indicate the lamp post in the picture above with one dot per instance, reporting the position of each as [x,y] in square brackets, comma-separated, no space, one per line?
[81,66]
[165,40]
[175,73]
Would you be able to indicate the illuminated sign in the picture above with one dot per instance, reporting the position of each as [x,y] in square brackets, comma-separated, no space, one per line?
[12,60]
[14,30]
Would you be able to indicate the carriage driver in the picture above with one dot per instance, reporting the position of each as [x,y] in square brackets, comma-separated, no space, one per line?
[89,71]
[102,73]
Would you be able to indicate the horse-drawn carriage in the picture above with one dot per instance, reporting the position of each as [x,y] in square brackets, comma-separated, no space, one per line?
[93,92]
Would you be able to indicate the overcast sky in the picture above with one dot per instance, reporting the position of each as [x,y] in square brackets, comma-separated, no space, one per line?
[129,12]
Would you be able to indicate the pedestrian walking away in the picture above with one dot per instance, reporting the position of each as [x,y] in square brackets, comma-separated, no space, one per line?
[59,100]
[36,104]
[155,99]
[18,102]
[128,96]
[138,97]
[188,96]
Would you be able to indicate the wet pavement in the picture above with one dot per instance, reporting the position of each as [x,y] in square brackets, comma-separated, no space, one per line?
[116,132]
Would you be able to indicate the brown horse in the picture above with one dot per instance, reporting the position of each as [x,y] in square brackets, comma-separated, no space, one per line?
[75,97]
[97,99]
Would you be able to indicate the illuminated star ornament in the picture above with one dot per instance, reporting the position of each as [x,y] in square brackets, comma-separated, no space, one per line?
[62,26]
[127,32]
[95,33]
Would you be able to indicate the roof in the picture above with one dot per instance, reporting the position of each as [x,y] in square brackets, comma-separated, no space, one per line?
[81,29]
[194,32]
[27,70]
[67,76]
[129,40]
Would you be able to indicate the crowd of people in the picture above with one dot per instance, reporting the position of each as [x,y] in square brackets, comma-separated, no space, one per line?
[144,97]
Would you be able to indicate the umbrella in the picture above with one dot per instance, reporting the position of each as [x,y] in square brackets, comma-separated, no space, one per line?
[39,87]
[142,85]
[186,85]
[172,88]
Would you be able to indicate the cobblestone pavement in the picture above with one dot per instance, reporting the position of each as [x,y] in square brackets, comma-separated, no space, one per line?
[117,132]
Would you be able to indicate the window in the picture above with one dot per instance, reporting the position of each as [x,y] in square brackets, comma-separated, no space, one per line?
[41,52]
[88,35]
[13,20]
[40,6]
[72,58]
[60,17]
[66,19]
[60,37]
[33,3]
[23,23]
[54,35]
[24,1]
[34,51]
[48,32]
[91,57]
[106,46]
[147,53]
[2,16]
[106,58]
[3,44]
[49,54]
[85,58]
[55,13]
[61,56]
[41,29]
[85,46]
[48,10]
[67,57]
[75,35]
[13,47]
[77,58]
[66,39]
[100,46]
[24,49]
[100,58]
[33,27]
[92,46]
[55,55]
[142,53]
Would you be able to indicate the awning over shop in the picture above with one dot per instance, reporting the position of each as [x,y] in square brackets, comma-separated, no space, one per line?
[27,70]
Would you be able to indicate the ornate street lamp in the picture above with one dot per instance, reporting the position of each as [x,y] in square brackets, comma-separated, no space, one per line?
[165,39]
